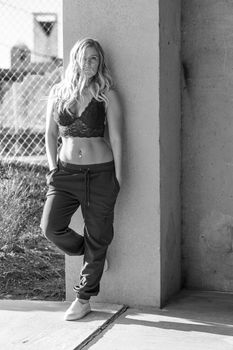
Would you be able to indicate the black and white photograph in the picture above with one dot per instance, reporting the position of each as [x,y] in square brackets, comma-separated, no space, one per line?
[116,174]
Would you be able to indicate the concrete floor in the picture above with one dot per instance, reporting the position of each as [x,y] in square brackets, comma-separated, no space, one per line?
[39,325]
[192,320]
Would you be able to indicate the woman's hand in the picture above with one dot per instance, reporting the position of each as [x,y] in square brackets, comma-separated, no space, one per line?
[52,170]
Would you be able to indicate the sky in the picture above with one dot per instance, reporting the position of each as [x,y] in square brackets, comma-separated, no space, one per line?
[16,24]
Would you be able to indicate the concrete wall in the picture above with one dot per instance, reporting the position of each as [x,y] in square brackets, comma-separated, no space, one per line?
[207,183]
[129,34]
[170,123]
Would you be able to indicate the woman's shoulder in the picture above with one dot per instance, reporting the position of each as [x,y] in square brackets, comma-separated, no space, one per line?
[53,91]
[112,96]
[111,93]
[53,95]
[113,105]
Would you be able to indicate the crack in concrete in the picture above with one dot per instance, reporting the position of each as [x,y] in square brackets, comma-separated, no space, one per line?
[99,330]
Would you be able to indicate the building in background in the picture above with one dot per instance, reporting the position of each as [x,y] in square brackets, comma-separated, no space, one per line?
[30,22]
[34,66]
[45,35]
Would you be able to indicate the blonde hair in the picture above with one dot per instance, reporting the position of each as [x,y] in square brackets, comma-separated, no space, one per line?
[71,88]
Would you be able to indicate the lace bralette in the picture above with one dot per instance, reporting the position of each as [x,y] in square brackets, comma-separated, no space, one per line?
[91,122]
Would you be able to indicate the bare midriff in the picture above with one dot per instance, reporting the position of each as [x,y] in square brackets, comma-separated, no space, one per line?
[83,150]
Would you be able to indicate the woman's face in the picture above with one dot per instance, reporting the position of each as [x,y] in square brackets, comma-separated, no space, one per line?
[90,62]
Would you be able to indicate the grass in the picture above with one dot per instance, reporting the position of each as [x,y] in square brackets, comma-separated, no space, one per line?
[30,266]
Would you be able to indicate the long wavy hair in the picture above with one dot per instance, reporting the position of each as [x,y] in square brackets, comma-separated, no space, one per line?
[71,88]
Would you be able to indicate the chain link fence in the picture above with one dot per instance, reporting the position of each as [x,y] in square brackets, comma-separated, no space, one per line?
[30,64]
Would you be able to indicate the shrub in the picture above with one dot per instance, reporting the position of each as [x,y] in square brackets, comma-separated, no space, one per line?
[22,193]
[30,266]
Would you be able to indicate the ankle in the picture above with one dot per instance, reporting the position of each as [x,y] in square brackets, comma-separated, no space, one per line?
[83,301]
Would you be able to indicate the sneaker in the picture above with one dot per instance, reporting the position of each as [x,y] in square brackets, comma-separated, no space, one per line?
[77,311]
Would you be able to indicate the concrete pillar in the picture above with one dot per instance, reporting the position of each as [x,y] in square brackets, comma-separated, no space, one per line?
[170,155]
[141,42]
[207,179]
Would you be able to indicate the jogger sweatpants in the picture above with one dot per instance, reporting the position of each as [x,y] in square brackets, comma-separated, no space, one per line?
[95,188]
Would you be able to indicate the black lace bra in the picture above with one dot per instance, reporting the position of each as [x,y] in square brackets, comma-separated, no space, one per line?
[91,123]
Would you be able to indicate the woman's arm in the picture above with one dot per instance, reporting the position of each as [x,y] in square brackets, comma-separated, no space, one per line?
[51,133]
[114,118]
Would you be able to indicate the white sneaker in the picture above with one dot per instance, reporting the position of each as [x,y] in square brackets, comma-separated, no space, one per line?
[77,310]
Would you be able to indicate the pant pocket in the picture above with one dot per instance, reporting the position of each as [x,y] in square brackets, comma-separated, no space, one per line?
[50,174]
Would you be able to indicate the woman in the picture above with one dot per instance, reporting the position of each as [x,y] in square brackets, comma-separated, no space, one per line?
[87,171]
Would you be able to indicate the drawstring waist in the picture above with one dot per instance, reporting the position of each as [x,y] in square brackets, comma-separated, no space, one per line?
[87,170]
[94,168]
[87,187]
